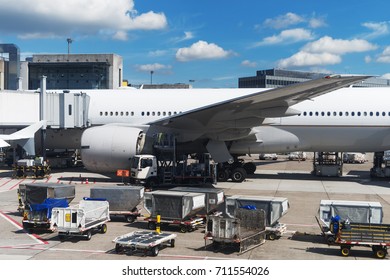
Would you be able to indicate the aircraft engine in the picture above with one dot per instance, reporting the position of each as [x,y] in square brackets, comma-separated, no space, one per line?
[108,148]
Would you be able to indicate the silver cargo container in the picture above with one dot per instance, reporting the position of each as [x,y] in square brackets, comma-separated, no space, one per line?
[121,198]
[354,211]
[274,207]
[36,193]
[173,205]
[213,197]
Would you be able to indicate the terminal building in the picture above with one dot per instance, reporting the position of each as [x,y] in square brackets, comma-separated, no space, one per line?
[273,78]
[63,71]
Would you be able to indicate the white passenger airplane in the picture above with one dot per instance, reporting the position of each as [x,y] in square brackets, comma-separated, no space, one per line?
[232,122]
[318,115]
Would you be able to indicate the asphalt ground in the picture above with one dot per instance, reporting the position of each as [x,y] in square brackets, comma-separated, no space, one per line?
[280,178]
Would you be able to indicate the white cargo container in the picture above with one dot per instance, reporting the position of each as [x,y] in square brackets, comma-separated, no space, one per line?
[274,207]
[354,211]
[82,219]
[123,199]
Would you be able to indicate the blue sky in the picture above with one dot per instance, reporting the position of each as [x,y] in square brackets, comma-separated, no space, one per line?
[210,42]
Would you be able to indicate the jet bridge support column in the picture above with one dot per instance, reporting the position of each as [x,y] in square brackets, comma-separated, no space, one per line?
[42,115]
[328,164]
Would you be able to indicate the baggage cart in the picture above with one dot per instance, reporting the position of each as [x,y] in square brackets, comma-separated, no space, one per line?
[187,225]
[348,235]
[123,199]
[245,231]
[274,207]
[144,241]
[81,220]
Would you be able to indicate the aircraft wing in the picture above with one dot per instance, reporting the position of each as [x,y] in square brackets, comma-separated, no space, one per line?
[250,110]
[25,133]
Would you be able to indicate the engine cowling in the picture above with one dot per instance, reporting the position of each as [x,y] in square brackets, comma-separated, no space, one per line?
[108,148]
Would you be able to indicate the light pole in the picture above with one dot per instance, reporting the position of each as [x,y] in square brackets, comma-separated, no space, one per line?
[70,41]
[151,77]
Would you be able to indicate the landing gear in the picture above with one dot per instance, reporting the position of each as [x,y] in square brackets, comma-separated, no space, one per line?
[236,171]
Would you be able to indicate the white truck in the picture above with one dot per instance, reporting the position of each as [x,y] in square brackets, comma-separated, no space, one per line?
[81,220]
[149,171]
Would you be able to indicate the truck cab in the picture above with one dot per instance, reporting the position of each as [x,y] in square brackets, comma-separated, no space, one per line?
[143,168]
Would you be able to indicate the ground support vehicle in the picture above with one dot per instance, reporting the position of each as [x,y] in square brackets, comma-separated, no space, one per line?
[347,235]
[144,241]
[30,168]
[354,211]
[245,231]
[38,216]
[81,220]
[274,207]
[185,225]
[163,169]
[329,164]
[123,199]
[381,167]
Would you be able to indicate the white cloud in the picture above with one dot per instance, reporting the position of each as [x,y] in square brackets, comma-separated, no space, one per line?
[378,29]
[120,35]
[283,21]
[384,57]
[326,51]
[201,50]
[303,58]
[157,53]
[248,63]
[153,67]
[287,37]
[48,18]
[317,22]
[338,46]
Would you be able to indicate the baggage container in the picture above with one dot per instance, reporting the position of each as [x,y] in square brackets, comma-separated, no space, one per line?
[88,216]
[246,230]
[214,197]
[36,193]
[38,216]
[175,208]
[354,211]
[274,207]
[173,204]
[123,199]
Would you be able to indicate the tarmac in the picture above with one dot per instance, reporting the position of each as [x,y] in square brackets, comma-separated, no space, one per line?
[280,178]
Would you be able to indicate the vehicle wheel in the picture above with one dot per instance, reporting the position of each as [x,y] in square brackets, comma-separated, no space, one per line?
[103,228]
[249,167]
[89,235]
[152,225]
[238,175]
[172,243]
[155,250]
[345,251]
[223,175]
[183,229]
[271,236]
[61,237]
[380,253]
[151,183]
[130,218]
